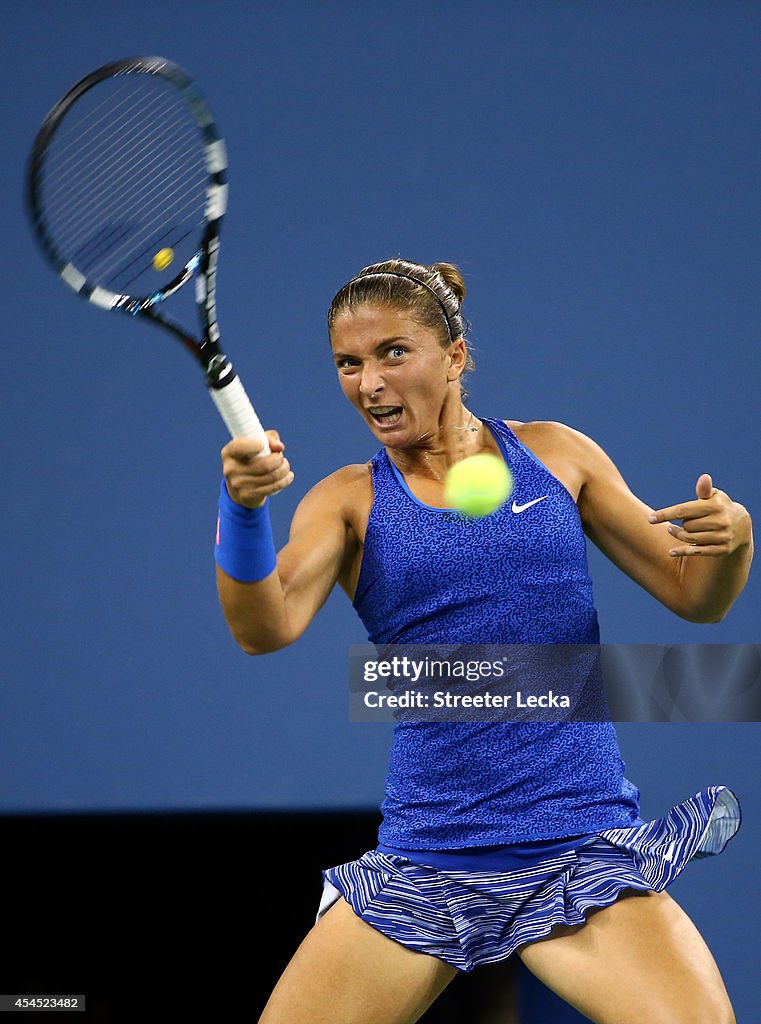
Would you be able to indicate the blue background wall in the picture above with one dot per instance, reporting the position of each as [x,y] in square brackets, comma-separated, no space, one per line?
[592,167]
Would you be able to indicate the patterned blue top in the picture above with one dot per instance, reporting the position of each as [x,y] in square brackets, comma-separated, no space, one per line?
[430,576]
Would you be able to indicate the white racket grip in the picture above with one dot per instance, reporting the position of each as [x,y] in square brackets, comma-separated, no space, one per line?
[236,410]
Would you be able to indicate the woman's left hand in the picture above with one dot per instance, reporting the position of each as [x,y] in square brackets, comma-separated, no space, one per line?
[712,525]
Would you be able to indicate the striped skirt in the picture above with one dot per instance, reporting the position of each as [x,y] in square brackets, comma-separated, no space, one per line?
[471,918]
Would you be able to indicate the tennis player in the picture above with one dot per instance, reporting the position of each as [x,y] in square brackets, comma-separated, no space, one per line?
[497,838]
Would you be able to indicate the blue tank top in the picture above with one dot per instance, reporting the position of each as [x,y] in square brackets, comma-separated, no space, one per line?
[430,576]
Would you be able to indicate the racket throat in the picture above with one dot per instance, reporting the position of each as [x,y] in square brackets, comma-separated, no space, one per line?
[219,372]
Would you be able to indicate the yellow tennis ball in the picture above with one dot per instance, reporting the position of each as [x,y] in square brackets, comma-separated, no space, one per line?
[477,486]
[162,259]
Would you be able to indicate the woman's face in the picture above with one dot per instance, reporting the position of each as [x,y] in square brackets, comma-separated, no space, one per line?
[394,371]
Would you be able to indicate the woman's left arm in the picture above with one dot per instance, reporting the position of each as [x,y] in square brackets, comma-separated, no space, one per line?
[715,549]
[697,569]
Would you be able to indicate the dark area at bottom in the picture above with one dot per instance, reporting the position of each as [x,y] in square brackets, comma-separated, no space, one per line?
[155,916]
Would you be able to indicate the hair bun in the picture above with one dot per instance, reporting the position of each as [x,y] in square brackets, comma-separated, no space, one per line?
[452,278]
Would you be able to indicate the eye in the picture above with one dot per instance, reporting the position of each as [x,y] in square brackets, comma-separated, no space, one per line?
[346,364]
[397,351]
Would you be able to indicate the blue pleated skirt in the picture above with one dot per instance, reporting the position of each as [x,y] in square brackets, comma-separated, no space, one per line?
[471,918]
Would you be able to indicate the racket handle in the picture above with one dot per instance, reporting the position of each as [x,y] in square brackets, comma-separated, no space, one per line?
[235,408]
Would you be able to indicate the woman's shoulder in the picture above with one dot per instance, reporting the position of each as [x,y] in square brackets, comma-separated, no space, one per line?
[344,488]
[568,453]
[346,494]
[355,474]
[549,432]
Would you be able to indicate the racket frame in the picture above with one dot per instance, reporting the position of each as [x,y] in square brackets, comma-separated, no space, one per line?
[233,404]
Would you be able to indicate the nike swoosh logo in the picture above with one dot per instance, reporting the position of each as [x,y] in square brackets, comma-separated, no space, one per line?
[522,508]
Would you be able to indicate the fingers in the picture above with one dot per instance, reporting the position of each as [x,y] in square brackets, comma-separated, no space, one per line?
[685,510]
[246,449]
[706,528]
[704,487]
[252,477]
[712,525]
[693,527]
[689,509]
[700,542]
[701,550]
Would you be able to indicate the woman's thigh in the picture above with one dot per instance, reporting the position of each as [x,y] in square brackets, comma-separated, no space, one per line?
[641,959]
[346,972]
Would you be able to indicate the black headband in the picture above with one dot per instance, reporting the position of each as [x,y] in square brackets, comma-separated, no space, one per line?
[409,277]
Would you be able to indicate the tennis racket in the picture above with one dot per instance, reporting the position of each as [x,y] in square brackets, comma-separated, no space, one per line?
[126,189]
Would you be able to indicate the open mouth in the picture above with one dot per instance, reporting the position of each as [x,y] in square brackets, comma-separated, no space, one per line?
[386,415]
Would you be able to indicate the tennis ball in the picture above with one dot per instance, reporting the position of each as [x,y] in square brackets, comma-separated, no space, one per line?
[477,486]
[162,259]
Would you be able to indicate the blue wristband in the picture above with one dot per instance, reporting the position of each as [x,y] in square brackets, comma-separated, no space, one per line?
[244,548]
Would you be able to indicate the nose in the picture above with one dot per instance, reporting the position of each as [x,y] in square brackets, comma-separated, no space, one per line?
[371,382]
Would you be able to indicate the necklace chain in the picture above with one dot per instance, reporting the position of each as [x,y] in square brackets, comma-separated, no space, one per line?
[471,427]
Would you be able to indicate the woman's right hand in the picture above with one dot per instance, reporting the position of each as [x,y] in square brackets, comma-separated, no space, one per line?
[251,478]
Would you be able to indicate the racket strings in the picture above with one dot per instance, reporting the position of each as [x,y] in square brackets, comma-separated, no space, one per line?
[124,176]
[79,124]
[120,138]
[152,240]
[124,281]
[82,206]
[143,171]
[78,218]
[147,156]
[109,106]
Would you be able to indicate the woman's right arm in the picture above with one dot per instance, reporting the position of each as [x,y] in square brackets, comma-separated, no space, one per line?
[270,614]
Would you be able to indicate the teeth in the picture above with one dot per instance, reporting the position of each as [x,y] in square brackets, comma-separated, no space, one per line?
[379,410]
